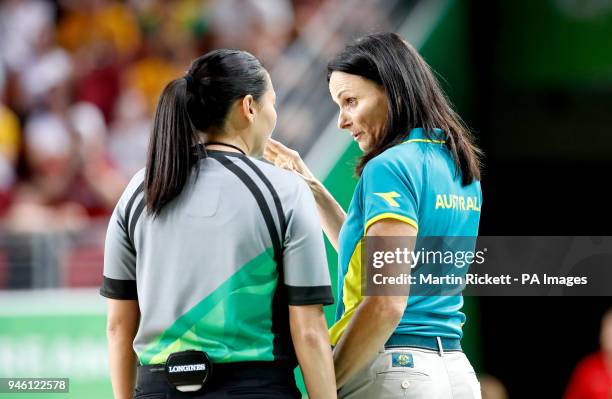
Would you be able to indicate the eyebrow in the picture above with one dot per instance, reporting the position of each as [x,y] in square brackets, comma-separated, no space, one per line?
[340,93]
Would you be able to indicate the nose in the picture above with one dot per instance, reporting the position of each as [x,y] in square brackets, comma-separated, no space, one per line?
[343,121]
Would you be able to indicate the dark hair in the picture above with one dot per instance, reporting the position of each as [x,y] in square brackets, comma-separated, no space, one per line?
[414,98]
[199,100]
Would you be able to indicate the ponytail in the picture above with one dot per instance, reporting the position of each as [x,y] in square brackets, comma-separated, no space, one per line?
[189,105]
[169,159]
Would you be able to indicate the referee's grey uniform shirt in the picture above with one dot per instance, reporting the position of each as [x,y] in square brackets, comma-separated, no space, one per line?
[207,272]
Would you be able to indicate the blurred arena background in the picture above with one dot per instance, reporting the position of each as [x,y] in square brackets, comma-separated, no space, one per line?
[79,80]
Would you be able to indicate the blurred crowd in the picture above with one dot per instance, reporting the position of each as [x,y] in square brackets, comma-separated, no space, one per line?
[79,80]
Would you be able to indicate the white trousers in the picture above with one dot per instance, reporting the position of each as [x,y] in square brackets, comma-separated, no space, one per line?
[414,373]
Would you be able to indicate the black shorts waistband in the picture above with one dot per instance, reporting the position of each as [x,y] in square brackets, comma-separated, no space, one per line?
[273,371]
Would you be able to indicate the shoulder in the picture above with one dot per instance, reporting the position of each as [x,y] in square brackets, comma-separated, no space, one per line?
[592,361]
[281,179]
[401,159]
[292,190]
[136,182]
[133,189]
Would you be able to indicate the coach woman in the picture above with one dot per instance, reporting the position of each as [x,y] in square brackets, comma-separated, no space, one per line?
[215,260]
[416,150]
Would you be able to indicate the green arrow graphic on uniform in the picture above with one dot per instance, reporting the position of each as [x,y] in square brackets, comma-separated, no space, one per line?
[228,323]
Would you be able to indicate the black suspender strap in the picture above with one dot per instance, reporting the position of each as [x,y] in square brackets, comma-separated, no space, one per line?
[283,345]
[261,202]
[275,197]
[128,208]
[130,223]
[134,220]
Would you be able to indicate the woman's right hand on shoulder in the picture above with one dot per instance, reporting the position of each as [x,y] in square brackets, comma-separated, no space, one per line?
[286,158]
[331,213]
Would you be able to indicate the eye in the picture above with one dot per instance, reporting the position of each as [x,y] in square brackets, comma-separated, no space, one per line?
[351,101]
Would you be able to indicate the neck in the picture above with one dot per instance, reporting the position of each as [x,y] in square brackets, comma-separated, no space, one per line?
[235,141]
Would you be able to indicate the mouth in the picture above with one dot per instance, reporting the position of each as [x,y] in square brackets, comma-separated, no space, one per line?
[356,135]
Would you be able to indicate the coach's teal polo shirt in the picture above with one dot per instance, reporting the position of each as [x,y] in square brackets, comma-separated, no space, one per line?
[414,182]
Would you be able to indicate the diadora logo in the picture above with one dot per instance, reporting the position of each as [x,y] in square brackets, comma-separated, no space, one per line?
[389,197]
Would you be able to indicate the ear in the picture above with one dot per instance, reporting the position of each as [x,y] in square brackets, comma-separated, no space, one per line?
[248,107]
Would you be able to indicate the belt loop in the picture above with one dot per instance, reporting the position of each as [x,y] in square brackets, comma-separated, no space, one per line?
[440,348]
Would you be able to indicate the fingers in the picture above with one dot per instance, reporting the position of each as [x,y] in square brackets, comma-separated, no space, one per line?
[284,157]
[279,160]
[268,153]
[284,163]
[271,148]
[279,148]
[275,144]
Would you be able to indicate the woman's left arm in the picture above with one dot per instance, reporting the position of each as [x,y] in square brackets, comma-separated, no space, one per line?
[375,318]
[121,327]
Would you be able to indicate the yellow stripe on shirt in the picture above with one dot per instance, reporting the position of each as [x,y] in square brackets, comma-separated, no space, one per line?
[390,215]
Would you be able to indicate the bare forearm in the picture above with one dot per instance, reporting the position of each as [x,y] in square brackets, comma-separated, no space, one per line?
[122,364]
[369,329]
[315,358]
[311,342]
[331,213]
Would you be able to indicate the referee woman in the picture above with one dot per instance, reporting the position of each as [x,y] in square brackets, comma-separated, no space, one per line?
[417,156]
[214,261]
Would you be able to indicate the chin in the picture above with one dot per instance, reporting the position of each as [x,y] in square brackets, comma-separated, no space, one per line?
[364,147]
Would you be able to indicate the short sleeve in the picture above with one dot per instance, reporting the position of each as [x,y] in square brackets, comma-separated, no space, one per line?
[119,279]
[305,262]
[390,189]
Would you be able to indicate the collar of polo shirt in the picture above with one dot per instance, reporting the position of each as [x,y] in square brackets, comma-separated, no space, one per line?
[436,136]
